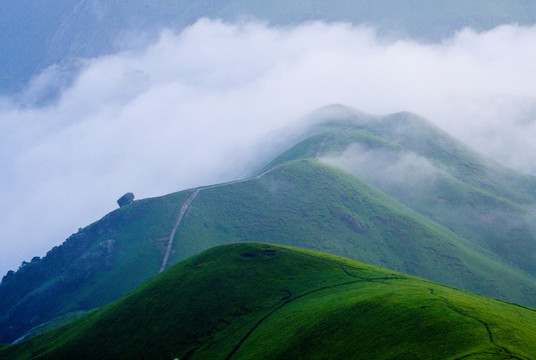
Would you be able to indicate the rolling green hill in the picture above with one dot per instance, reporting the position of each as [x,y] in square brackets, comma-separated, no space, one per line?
[310,205]
[247,301]
[450,230]
[431,172]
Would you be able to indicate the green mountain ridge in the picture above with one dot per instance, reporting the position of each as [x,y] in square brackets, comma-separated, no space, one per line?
[301,201]
[348,219]
[446,181]
[424,168]
[248,300]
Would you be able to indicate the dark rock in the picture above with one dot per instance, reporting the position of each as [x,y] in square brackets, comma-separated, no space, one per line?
[354,224]
[125,199]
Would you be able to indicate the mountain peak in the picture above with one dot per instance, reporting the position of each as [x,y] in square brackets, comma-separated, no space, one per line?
[337,111]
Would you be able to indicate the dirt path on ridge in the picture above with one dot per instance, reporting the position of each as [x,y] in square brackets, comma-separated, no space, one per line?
[184,208]
[196,191]
[182,211]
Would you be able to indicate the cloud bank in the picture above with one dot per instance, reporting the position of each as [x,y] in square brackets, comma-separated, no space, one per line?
[203,106]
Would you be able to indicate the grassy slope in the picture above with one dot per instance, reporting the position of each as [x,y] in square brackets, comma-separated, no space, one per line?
[421,166]
[420,136]
[84,273]
[311,205]
[472,196]
[247,301]
[303,203]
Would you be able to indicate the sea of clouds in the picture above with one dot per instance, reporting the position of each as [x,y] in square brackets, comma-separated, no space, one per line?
[211,103]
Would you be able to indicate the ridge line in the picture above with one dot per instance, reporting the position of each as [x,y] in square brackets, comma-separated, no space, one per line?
[189,201]
[322,145]
[297,297]
[484,324]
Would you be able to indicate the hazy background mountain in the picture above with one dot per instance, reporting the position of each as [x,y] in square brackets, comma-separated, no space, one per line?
[37,34]
[166,110]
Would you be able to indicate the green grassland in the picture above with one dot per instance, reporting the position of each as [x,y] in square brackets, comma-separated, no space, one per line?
[474,197]
[247,301]
[311,205]
[416,163]
[93,267]
[470,226]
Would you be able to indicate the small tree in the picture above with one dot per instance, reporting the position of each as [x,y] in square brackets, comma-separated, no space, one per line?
[8,276]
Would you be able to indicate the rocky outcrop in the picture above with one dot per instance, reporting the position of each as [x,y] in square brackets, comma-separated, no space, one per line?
[354,224]
[125,199]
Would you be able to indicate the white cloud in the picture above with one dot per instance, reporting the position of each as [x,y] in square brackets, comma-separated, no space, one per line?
[193,108]
[389,170]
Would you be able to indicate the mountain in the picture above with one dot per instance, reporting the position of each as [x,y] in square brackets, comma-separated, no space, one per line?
[251,301]
[35,35]
[418,164]
[305,199]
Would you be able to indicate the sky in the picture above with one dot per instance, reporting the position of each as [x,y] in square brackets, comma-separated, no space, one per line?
[217,101]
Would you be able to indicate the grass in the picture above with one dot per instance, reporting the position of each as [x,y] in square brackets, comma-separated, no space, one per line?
[311,205]
[245,301]
[470,211]
[98,265]
[54,323]
[479,200]
[421,166]
[470,228]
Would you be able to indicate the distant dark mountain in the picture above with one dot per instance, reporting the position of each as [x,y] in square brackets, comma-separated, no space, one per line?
[262,301]
[37,34]
[419,202]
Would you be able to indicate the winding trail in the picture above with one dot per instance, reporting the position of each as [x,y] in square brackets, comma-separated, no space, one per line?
[288,299]
[297,297]
[196,191]
[490,335]
[486,326]
[184,208]
[182,211]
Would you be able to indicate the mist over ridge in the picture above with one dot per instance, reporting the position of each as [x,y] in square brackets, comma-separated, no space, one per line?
[202,106]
